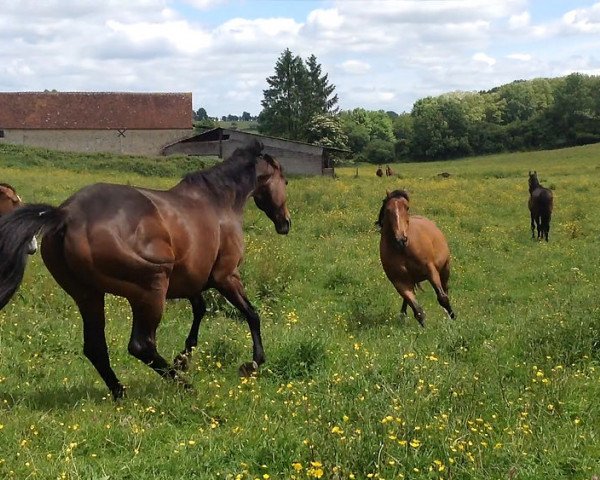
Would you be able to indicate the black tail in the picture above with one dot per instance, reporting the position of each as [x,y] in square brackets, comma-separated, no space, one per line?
[16,230]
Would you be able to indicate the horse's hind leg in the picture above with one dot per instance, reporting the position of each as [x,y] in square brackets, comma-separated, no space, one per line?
[147,313]
[546,226]
[532,226]
[181,361]
[440,285]
[91,306]
[94,341]
[232,289]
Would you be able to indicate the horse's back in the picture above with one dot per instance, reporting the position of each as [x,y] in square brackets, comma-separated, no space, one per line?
[119,238]
[541,201]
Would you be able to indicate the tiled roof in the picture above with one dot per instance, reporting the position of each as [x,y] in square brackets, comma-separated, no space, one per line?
[94,110]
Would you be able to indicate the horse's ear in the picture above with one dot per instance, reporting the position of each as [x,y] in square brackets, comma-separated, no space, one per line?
[534,172]
[387,193]
[10,193]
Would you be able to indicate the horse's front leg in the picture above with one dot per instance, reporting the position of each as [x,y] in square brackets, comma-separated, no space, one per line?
[182,360]
[408,294]
[232,289]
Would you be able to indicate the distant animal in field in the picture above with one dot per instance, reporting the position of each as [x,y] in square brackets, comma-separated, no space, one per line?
[147,246]
[9,201]
[388,171]
[412,249]
[444,175]
[379,172]
[541,204]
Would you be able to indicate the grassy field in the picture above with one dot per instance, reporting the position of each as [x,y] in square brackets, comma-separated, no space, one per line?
[350,390]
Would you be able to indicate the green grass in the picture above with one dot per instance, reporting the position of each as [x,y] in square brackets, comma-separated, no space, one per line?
[350,390]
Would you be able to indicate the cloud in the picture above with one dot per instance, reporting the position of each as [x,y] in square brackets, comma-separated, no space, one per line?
[483,58]
[584,20]
[380,54]
[355,67]
[523,57]
[520,20]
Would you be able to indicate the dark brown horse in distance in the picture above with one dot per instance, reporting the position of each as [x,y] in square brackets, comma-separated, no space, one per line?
[541,203]
[9,201]
[148,246]
[379,172]
[388,171]
[413,249]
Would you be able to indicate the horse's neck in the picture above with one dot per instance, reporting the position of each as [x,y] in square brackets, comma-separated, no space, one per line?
[534,184]
[227,193]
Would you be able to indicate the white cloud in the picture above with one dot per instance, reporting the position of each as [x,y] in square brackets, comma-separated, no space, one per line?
[204,4]
[380,54]
[520,20]
[523,57]
[585,20]
[483,58]
[355,67]
[179,33]
[329,19]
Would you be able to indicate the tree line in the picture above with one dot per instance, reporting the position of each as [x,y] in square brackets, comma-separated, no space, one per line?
[300,104]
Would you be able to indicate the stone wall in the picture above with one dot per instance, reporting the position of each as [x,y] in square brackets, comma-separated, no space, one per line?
[127,142]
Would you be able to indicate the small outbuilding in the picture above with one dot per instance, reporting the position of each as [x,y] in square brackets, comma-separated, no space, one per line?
[296,157]
[113,122]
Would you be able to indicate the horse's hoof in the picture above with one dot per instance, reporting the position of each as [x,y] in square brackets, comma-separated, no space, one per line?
[118,392]
[248,369]
[181,362]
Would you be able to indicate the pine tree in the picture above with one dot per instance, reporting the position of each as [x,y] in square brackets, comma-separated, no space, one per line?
[296,93]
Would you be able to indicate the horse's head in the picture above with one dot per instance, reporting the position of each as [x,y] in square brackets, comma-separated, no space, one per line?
[533,181]
[394,217]
[9,200]
[269,194]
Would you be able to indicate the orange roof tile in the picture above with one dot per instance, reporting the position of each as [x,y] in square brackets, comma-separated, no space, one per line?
[95,110]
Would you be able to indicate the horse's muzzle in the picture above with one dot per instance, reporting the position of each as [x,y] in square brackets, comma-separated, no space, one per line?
[283,227]
[402,242]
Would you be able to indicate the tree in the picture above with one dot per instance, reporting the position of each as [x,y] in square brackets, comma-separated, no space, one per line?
[201,114]
[296,93]
[246,117]
[326,130]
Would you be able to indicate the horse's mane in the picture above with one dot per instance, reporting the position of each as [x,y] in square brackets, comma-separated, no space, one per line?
[229,174]
[389,196]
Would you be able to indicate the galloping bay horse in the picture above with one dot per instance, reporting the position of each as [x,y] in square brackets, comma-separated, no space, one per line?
[541,203]
[148,246]
[9,201]
[413,249]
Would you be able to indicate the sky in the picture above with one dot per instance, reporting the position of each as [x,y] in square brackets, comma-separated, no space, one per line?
[378,54]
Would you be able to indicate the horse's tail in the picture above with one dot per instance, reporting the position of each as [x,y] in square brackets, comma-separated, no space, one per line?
[16,231]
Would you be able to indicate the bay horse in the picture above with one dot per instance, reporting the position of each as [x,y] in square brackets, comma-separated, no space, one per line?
[148,246]
[541,203]
[412,249]
[388,171]
[379,172]
[9,201]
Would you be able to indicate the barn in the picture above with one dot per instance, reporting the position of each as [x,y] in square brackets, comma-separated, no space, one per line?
[114,122]
[297,158]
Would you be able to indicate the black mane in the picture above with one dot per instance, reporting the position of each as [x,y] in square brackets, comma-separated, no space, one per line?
[232,174]
[394,194]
